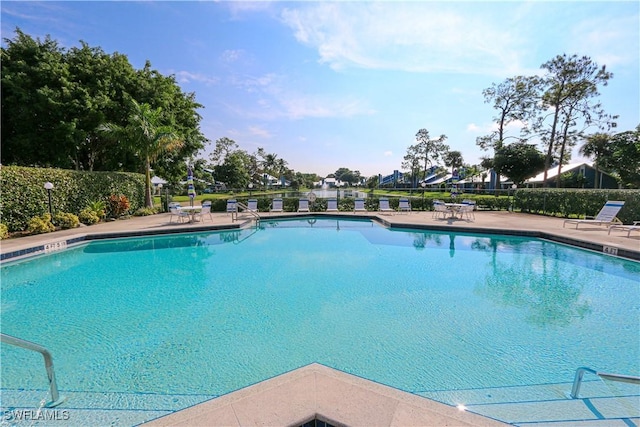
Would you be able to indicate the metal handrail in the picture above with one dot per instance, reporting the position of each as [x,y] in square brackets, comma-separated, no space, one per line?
[246,209]
[577,380]
[56,399]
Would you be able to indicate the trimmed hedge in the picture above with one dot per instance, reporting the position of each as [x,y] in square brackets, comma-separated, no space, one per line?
[572,203]
[24,195]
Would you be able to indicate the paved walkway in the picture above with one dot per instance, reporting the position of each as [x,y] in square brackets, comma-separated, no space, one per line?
[587,235]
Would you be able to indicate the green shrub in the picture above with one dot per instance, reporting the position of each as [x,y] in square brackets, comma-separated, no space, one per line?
[574,203]
[24,196]
[4,231]
[40,224]
[66,220]
[88,216]
[146,211]
[98,208]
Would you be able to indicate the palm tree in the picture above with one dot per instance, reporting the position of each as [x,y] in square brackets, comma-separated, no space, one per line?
[148,137]
[596,146]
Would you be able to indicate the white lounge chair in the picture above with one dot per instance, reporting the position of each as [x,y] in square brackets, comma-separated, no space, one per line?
[606,216]
[384,206]
[276,205]
[232,206]
[627,228]
[404,205]
[359,206]
[332,205]
[303,205]
[252,205]
[175,211]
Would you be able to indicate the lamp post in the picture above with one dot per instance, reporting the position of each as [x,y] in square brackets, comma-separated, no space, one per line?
[164,205]
[49,186]
[423,185]
[513,193]
[250,188]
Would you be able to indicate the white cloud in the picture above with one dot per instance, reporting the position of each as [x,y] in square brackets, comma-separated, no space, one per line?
[189,77]
[607,40]
[413,36]
[388,153]
[277,99]
[261,132]
[232,55]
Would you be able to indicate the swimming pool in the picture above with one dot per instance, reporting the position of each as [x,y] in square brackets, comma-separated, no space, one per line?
[421,311]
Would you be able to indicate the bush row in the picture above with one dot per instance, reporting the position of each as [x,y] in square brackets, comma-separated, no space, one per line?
[290,204]
[24,196]
[577,203]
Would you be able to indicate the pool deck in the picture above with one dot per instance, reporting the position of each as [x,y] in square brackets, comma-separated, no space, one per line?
[316,392]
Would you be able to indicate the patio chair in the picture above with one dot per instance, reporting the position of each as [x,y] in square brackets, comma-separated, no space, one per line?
[627,228]
[606,216]
[467,209]
[175,211]
[332,205]
[439,208]
[303,205]
[232,206]
[206,210]
[359,206]
[384,207]
[252,205]
[276,205]
[404,205]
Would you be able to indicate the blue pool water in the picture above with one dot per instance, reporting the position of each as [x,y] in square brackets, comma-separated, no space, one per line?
[209,313]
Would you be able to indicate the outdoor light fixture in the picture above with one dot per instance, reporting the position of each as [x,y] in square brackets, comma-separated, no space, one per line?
[250,188]
[49,186]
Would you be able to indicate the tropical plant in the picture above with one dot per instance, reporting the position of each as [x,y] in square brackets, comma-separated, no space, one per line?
[98,208]
[149,134]
[41,224]
[118,205]
[66,220]
[88,217]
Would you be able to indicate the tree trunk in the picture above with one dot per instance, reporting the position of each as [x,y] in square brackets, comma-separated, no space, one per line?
[148,201]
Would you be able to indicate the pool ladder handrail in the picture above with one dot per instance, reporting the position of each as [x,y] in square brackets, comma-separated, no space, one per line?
[577,380]
[56,399]
[245,208]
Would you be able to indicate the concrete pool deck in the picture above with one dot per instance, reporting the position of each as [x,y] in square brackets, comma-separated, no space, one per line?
[315,391]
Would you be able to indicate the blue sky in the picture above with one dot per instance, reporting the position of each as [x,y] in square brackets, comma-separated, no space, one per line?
[326,85]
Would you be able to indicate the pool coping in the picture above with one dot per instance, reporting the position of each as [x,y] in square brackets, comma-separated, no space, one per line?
[317,392]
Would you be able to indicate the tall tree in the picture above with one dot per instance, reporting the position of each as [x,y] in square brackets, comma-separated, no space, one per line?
[429,150]
[514,100]
[412,163]
[571,85]
[55,101]
[148,137]
[36,91]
